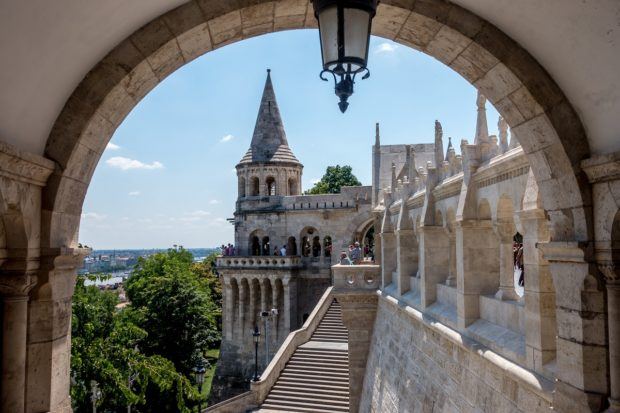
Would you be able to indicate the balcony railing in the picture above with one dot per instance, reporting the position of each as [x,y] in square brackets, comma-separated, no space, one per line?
[258,261]
[356,278]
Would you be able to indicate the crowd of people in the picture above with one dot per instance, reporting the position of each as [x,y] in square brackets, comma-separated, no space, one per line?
[354,255]
[228,250]
[517,253]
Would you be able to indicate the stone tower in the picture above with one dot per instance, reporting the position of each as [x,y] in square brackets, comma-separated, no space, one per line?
[269,167]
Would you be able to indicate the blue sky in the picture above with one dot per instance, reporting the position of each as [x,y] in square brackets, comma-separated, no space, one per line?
[168,175]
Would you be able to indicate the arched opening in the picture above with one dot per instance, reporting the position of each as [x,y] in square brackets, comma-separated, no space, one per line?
[316,246]
[254,186]
[292,186]
[368,242]
[265,246]
[271,185]
[241,189]
[544,97]
[307,241]
[327,246]
[255,247]
[510,252]
[291,246]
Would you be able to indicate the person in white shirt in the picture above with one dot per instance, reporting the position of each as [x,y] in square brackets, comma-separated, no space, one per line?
[283,251]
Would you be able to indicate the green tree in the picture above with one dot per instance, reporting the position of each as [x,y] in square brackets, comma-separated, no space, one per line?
[174,305]
[335,178]
[105,348]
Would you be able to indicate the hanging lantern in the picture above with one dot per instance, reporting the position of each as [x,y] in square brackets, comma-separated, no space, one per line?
[344,29]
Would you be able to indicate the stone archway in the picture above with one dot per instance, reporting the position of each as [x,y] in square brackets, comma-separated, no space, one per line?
[538,112]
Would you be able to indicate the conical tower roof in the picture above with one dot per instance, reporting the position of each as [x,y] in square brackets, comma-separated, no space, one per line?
[269,142]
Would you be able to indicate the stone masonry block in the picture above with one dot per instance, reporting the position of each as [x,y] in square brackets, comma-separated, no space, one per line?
[291,8]
[436,10]
[464,21]
[116,105]
[225,29]
[497,83]
[418,31]
[184,18]
[535,134]
[195,42]
[257,30]
[389,20]
[447,45]
[289,22]
[166,59]
[140,81]
[467,69]
[258,14]
[97,133]
[151,37]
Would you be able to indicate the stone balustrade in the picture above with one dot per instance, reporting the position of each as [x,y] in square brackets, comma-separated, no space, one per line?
[258,262]
[356,278]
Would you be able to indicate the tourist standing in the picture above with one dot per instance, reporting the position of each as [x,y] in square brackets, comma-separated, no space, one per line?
[356,254]
[283,251]
[344,259]
[276,251]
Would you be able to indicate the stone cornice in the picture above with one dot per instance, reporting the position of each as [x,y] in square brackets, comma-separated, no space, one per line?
[602,168]
[24,166]
[417,200]
[449,187]
[16,284]
[578,252]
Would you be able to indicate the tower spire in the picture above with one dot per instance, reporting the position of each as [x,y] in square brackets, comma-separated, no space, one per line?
[438,144]
[482,130]
[269,142]
[377,135]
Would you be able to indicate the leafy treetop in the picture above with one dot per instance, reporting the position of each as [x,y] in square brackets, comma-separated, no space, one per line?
[335,178]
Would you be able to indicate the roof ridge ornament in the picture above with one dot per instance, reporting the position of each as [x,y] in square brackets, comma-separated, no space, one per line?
[344,31]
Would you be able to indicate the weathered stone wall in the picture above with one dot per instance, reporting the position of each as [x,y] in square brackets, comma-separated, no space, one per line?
[309,291]
[415,365]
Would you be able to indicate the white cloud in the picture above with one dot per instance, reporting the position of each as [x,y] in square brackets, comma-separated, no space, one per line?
[214,202]
[199,213]
[386,47]
[112,147]
[125,164]
[94,216]
[227,138]
[134,193]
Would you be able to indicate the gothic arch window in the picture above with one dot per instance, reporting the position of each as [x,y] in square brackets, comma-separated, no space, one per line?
[254,245]
[327,246]
[254,186]
[271,186]
[291,246]
[292,186]
[241,187]
[316,246]
[266,249]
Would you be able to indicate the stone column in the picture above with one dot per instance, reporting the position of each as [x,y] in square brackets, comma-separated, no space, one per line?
[406,258]
[451,280]
[290,304]
[477,267]
[14,289]
[358,315]
[241,325]
[581,371]
[434,261]
[49,331]
[540,320]
[613,319]
[388,257]
[227,325]
[505,232]
[610,271]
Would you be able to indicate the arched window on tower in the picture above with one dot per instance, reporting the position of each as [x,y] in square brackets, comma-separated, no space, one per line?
[265,246]
[292,186]
[241,187]
[271,186]
[254,186]
[316,246]
[327,246]
[291,246]
[255,245]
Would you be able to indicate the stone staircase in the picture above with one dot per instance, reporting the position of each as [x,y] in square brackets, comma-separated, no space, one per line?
[316,378]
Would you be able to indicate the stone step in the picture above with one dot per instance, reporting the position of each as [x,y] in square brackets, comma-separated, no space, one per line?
[314,388]
[305,398]
[325,352]
[294,404]
[295,393]
[313,382]
[330,340]
[269,408]
[294,375]
[316,367]
[320,359]
[319,362]
[319,371]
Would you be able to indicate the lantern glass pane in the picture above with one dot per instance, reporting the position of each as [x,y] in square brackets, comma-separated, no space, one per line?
[356,33]
[328,25]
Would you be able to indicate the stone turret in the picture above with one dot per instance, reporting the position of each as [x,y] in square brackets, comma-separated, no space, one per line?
[269,167]
[376,166]
[502,126]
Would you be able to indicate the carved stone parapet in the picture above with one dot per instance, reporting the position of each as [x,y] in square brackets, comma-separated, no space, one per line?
[23,166]
[567,251]
[356,278]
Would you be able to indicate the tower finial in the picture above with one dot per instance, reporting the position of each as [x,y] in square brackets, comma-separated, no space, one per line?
[438,144]
[377,135]
[482,130]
